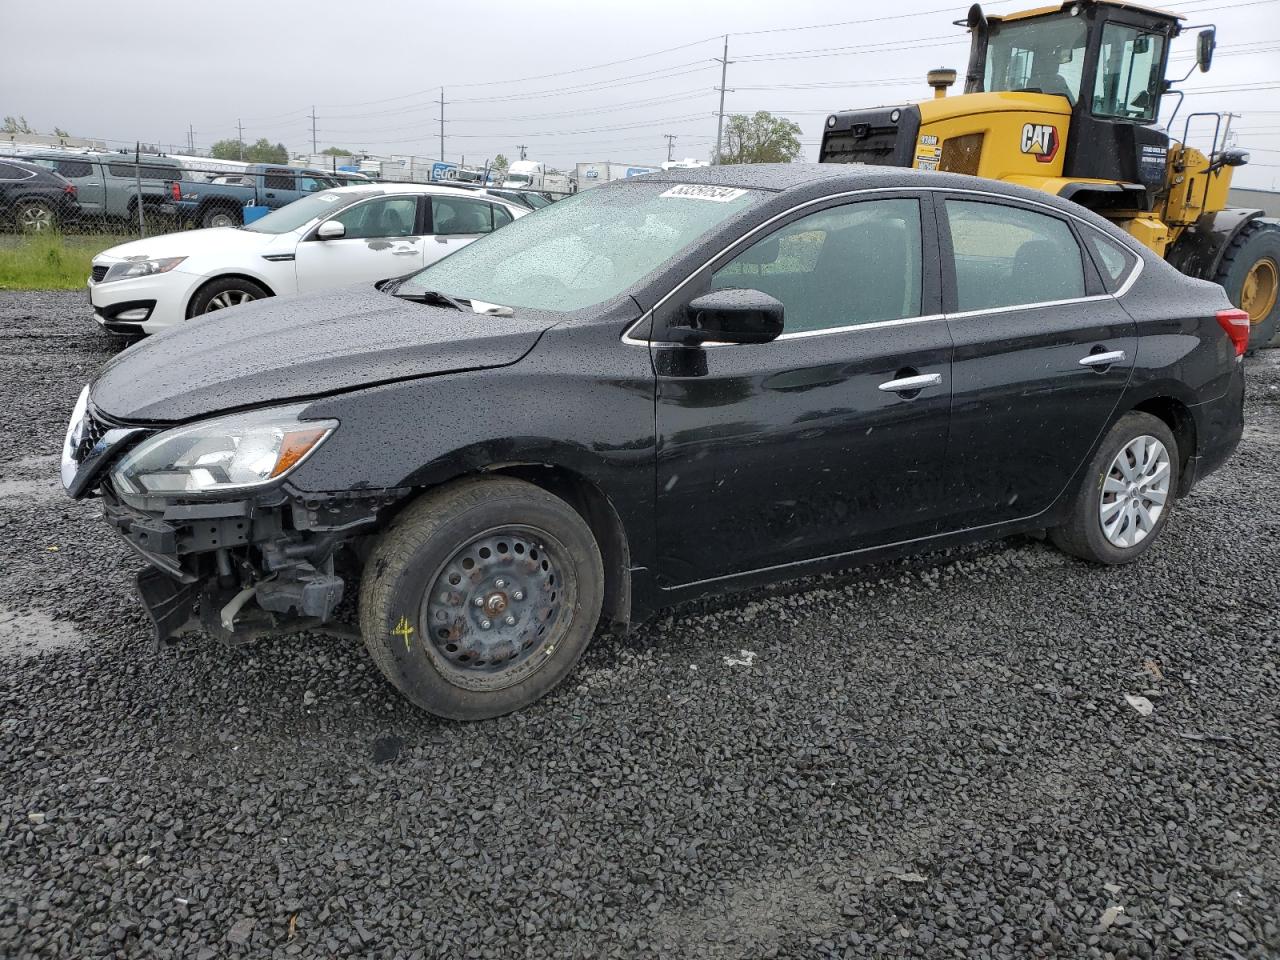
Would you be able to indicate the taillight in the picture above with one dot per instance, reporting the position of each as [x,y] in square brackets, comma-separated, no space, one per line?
[176,191]
[69,189]
[1236,323]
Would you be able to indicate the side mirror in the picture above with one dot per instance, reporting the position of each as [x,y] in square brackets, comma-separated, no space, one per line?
[730,316]
[1205,43]
[331,230]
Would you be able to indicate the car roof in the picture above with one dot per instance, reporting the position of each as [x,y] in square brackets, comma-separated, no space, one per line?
[392,187]
[839,177]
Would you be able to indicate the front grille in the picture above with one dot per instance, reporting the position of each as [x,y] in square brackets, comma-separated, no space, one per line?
[99,271]
[94,430]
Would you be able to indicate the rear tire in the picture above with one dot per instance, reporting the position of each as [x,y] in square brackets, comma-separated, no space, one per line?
[226,292]
[1250,273]
[1122,506]
[36,216]
[220,217]
[481,596]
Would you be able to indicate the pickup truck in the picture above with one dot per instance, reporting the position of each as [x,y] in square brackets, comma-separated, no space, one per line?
[221,204]
[106,185]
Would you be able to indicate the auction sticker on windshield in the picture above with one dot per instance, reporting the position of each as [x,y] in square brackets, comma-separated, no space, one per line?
[700,191]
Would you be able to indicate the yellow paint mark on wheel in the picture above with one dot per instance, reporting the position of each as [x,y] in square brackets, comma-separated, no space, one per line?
[403,629]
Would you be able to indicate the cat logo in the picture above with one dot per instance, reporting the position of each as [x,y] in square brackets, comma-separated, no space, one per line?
[1040,140]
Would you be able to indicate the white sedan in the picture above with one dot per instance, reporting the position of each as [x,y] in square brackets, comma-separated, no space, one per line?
[330,239]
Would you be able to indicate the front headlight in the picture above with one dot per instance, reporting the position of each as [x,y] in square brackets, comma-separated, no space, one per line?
[129,269]
[228,453]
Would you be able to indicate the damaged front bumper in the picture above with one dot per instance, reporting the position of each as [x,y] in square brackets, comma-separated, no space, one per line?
[239,569]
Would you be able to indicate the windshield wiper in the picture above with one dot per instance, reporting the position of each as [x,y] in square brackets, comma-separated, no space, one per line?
[435,298]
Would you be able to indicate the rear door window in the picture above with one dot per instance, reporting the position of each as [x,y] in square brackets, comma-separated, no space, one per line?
[460,216]
[74,169]
[279,180]
[1005,256]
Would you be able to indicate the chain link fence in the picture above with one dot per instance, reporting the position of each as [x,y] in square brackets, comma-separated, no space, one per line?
[46,190]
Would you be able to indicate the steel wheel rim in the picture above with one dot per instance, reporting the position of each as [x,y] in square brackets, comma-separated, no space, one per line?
[1258,293]
[229,298]
[1135,491]
[37,218]
[477,585]
[220,220]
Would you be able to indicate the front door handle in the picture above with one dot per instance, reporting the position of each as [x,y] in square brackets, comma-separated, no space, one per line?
[910,384]
[1102,359]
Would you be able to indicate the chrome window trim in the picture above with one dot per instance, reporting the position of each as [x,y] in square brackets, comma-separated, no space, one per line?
[647,316]
[966,314]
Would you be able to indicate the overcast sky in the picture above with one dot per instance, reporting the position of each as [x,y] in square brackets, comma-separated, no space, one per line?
[373,71]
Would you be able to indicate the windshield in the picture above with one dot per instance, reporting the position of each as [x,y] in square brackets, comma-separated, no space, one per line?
[1039,55]
[516,178]
[585,249]
[301,212]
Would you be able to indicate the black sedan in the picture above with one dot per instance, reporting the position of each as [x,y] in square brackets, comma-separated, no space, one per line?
[676,384]
[34,199]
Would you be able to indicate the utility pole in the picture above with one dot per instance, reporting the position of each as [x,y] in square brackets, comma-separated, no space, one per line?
[313,128]
[240,138]
[724,69]
[671,139]
[442,124]
[521,148]
[191,139]
[1226,131]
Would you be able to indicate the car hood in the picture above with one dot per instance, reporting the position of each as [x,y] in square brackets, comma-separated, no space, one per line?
[291,348]
[191,243]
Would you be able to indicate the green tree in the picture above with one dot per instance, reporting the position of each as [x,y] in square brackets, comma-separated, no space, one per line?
[337,152]
[227,150]
[59,132]
[261,150]
[499,166]
[761,138]
[17,125]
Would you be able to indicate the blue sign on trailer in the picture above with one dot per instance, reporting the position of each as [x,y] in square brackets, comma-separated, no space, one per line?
[444,171]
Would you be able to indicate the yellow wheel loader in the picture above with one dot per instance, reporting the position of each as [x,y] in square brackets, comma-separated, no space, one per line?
[1064,99]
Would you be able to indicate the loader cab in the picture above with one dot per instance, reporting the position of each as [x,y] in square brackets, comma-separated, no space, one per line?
[1108,60]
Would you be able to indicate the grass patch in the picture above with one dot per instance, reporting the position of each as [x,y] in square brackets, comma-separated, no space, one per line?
[50,261]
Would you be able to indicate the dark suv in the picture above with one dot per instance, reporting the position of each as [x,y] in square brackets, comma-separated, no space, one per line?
[676,384]
[33,199]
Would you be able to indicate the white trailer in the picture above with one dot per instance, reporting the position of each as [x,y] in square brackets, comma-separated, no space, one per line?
[594,174]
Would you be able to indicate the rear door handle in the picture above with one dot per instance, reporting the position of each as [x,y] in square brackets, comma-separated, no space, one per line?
[1102,359]
[908,384]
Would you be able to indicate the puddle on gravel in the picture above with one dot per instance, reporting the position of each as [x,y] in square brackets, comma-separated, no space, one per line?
[26,635]
[42,489]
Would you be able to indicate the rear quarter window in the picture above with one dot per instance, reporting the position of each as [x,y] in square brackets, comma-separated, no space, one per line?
[1114,261]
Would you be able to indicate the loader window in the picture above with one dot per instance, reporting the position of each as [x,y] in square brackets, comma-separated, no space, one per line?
[1129,73]
[1039,55]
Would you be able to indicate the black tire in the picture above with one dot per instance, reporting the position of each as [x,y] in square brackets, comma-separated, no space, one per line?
[1082,534]
[36,216]
[225,292]
[438,661]
[221,217]
[1255,249]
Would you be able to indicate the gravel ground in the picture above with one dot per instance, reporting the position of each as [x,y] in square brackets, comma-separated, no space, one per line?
[930,758]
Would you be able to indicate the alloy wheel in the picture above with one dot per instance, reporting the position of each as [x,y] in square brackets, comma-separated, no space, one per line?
[36,218]
[229,298]
[496,606]
[1135,491]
